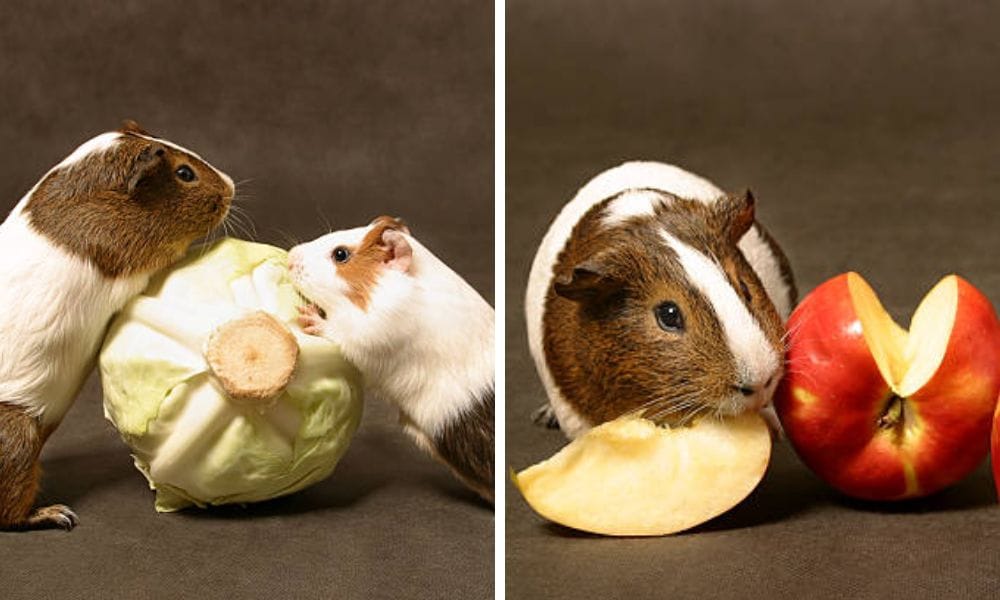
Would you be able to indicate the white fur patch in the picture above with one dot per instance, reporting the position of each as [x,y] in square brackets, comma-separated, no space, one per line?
[756,359]
[760,256]
[56,307]
[637,203]
[95,145]
[651,175]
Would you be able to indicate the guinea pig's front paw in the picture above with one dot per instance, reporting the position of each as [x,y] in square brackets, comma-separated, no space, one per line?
[545,417]
[57,516]
[311,320]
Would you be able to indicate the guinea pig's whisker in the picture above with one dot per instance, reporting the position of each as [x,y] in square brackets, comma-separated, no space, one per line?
[675,410]
[230,229]
[677,398]
[666,402]
[209,237]
[289,239]
[670,400]
[792,331]
[670,410]
[242,196]
[326,220]
[244,229]
[656,414]
[789,333]
[693,414]
[241,222]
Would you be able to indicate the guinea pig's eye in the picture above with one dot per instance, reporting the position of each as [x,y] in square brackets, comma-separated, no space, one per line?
[185,173]
[669,317]
[746,292]
[341,254]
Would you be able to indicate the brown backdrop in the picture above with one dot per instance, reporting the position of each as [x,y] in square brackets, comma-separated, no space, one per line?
[335,112]
[869,133]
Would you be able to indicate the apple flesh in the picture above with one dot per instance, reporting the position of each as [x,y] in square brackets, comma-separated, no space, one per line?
[632,477]
[882,413]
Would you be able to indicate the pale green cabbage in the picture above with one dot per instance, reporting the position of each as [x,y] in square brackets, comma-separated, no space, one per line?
[191,441]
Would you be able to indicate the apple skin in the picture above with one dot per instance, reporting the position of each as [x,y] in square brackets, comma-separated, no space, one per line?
[833,395]
[995,451]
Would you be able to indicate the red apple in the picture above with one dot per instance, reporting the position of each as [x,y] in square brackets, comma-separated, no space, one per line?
[995,451]
[882,413]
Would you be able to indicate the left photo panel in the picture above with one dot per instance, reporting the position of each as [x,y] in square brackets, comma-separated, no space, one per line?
[247,286]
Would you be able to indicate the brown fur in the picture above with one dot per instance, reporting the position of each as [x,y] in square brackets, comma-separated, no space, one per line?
[361,270]
[20,444]
[20,474]
[125,209]
[602,343]
[466,447]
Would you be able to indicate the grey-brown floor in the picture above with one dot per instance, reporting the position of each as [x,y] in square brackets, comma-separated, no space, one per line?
[335,112]
[870,134]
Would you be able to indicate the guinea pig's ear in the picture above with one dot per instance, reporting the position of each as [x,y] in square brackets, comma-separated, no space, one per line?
[391,223]
[144,164]
[399,254]
[588,280]
[736,213]
[130,126]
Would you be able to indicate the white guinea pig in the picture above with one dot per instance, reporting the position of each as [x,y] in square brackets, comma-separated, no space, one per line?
[655,292]
[420,335]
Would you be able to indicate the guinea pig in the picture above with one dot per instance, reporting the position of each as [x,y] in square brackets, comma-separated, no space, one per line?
[420,335]
[83,241]
[656,293]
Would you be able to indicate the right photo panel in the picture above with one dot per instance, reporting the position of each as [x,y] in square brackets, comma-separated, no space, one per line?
[751,266]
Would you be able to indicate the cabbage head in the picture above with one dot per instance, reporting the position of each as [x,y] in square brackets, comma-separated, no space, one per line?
[217,391]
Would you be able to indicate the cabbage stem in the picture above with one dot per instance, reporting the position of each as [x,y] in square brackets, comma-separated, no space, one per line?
[253,357]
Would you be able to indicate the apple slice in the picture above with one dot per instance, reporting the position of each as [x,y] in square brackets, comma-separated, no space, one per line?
[632,477]
[907,360]
[883,413]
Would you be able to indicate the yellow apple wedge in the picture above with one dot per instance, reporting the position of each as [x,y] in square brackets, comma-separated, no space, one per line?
[630,477]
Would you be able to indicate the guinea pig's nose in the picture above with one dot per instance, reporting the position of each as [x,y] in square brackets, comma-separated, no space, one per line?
[756,395]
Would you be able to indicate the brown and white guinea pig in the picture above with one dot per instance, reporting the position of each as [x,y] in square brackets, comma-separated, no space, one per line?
[420,335]
[656,293]
[76,248]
